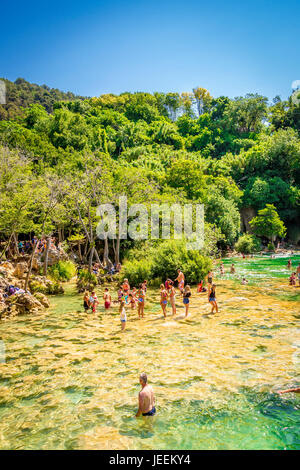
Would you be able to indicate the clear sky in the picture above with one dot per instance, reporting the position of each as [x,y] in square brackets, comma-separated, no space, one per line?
[92,47]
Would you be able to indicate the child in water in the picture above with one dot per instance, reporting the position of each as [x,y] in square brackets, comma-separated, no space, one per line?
[107,298]
[123,317]
[94,302]
[186,299]
[131,300]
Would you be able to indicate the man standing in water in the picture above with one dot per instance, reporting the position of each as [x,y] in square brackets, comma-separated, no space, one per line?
[146,398]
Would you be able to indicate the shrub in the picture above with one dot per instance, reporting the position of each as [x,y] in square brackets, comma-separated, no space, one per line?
[63,271]
[271,246]
[137,271]
[86,280]
[48,287]
[247,244]
[163,262]
[171,255]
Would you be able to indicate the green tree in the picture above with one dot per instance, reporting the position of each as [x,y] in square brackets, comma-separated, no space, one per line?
[268,223]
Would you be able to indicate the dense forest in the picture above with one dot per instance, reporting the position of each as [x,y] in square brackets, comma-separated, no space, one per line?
[62,155]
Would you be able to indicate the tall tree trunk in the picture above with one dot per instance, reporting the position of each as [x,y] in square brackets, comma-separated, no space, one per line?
[91,258]
[46,256]
[59,235]
[106,261]
[98,259]
[30,264]
[6,246]
[117,255]
[16,244]
[79,252]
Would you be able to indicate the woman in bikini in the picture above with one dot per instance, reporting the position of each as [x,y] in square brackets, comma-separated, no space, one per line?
[141,301]
[163,299]
[186,299]
[212,298]
[172,295]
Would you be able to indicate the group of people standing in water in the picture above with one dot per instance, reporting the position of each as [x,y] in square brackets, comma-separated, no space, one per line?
[133,297]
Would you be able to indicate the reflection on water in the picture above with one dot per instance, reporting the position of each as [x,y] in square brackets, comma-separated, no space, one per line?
[71,380]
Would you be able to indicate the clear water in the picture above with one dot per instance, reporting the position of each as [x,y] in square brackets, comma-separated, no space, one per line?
[70,380]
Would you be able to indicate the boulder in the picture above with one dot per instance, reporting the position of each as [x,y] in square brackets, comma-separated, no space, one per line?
[21,269]
[25,303]
[42,299]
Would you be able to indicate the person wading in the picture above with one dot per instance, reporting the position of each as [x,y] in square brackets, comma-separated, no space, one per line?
[146,398]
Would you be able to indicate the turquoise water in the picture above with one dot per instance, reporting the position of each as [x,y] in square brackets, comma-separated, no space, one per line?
[261,267]
[70,380]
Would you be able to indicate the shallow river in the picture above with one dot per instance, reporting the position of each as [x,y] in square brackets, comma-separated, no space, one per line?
[70,380]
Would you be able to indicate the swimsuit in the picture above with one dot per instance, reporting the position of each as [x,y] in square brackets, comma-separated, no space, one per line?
[151,412]
[85,305]
[186,300]
[107,304]
[123,316]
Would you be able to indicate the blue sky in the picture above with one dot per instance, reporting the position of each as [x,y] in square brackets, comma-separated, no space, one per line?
[94,47]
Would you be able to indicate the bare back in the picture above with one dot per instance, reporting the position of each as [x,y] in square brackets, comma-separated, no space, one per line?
[146,399]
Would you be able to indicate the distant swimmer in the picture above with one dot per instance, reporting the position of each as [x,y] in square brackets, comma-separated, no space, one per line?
[146,398]
[289,264]
[209,277]
[180,279]
[232,269]
[298,273]
[290,390]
